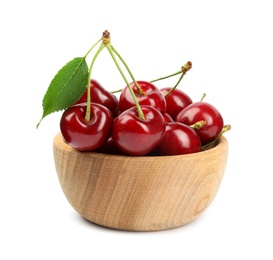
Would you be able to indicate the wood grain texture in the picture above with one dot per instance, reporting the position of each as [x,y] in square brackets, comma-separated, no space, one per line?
[139,193]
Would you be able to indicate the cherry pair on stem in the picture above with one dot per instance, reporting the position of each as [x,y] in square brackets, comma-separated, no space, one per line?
[88,126]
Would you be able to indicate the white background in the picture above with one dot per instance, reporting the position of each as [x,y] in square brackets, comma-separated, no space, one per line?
[230,45]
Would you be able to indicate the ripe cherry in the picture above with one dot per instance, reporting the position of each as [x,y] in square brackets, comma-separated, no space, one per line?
[109,148]
[86,135]
[101,96]
[179,139]
[168,118]
[202,111]
[176,101]
[151,97]
[136,136]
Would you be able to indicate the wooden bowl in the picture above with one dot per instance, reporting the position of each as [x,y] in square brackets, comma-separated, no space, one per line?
[144,193]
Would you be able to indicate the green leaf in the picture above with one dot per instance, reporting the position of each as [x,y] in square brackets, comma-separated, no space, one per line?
[66,87]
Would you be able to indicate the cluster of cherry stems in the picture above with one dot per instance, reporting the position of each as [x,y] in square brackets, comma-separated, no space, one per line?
[143,120]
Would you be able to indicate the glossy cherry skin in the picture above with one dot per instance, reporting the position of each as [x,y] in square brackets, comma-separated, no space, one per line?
[168,118]
[85,135]
[176,101]
[151,97]
[135,136]
[203,111]
[179,139]
[101,96]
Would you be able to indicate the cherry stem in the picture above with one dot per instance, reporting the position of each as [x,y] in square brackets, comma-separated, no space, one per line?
[88,106]
[174,74]
[141,92]
[139,110]
[184,70]
[116,91]
[173,88]
[212,143]
[202,98]
[198,125]
[92,48]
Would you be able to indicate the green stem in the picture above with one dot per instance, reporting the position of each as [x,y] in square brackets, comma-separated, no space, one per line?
[198,125]
[202,98]
[184,70]
[172,89]
[116,91]
[129,71]
[92,48]
[174,74]
[212,143]
[139,110]
[88,107]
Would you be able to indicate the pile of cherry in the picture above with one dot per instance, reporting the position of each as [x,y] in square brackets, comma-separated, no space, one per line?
[161,123]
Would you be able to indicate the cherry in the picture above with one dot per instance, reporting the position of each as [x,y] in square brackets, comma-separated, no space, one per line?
[179,139]
[168,118]
[86,135]
[109,148]
[101,96]
[176,100]
[151,96]
[136,136]
[203,111]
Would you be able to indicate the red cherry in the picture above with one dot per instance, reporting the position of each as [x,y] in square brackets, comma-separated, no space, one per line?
[109,148]
[179,139]
[168,118]
[101,96]
[86,135]
[202,111]
[151,97]
[176,101]
[135,136]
